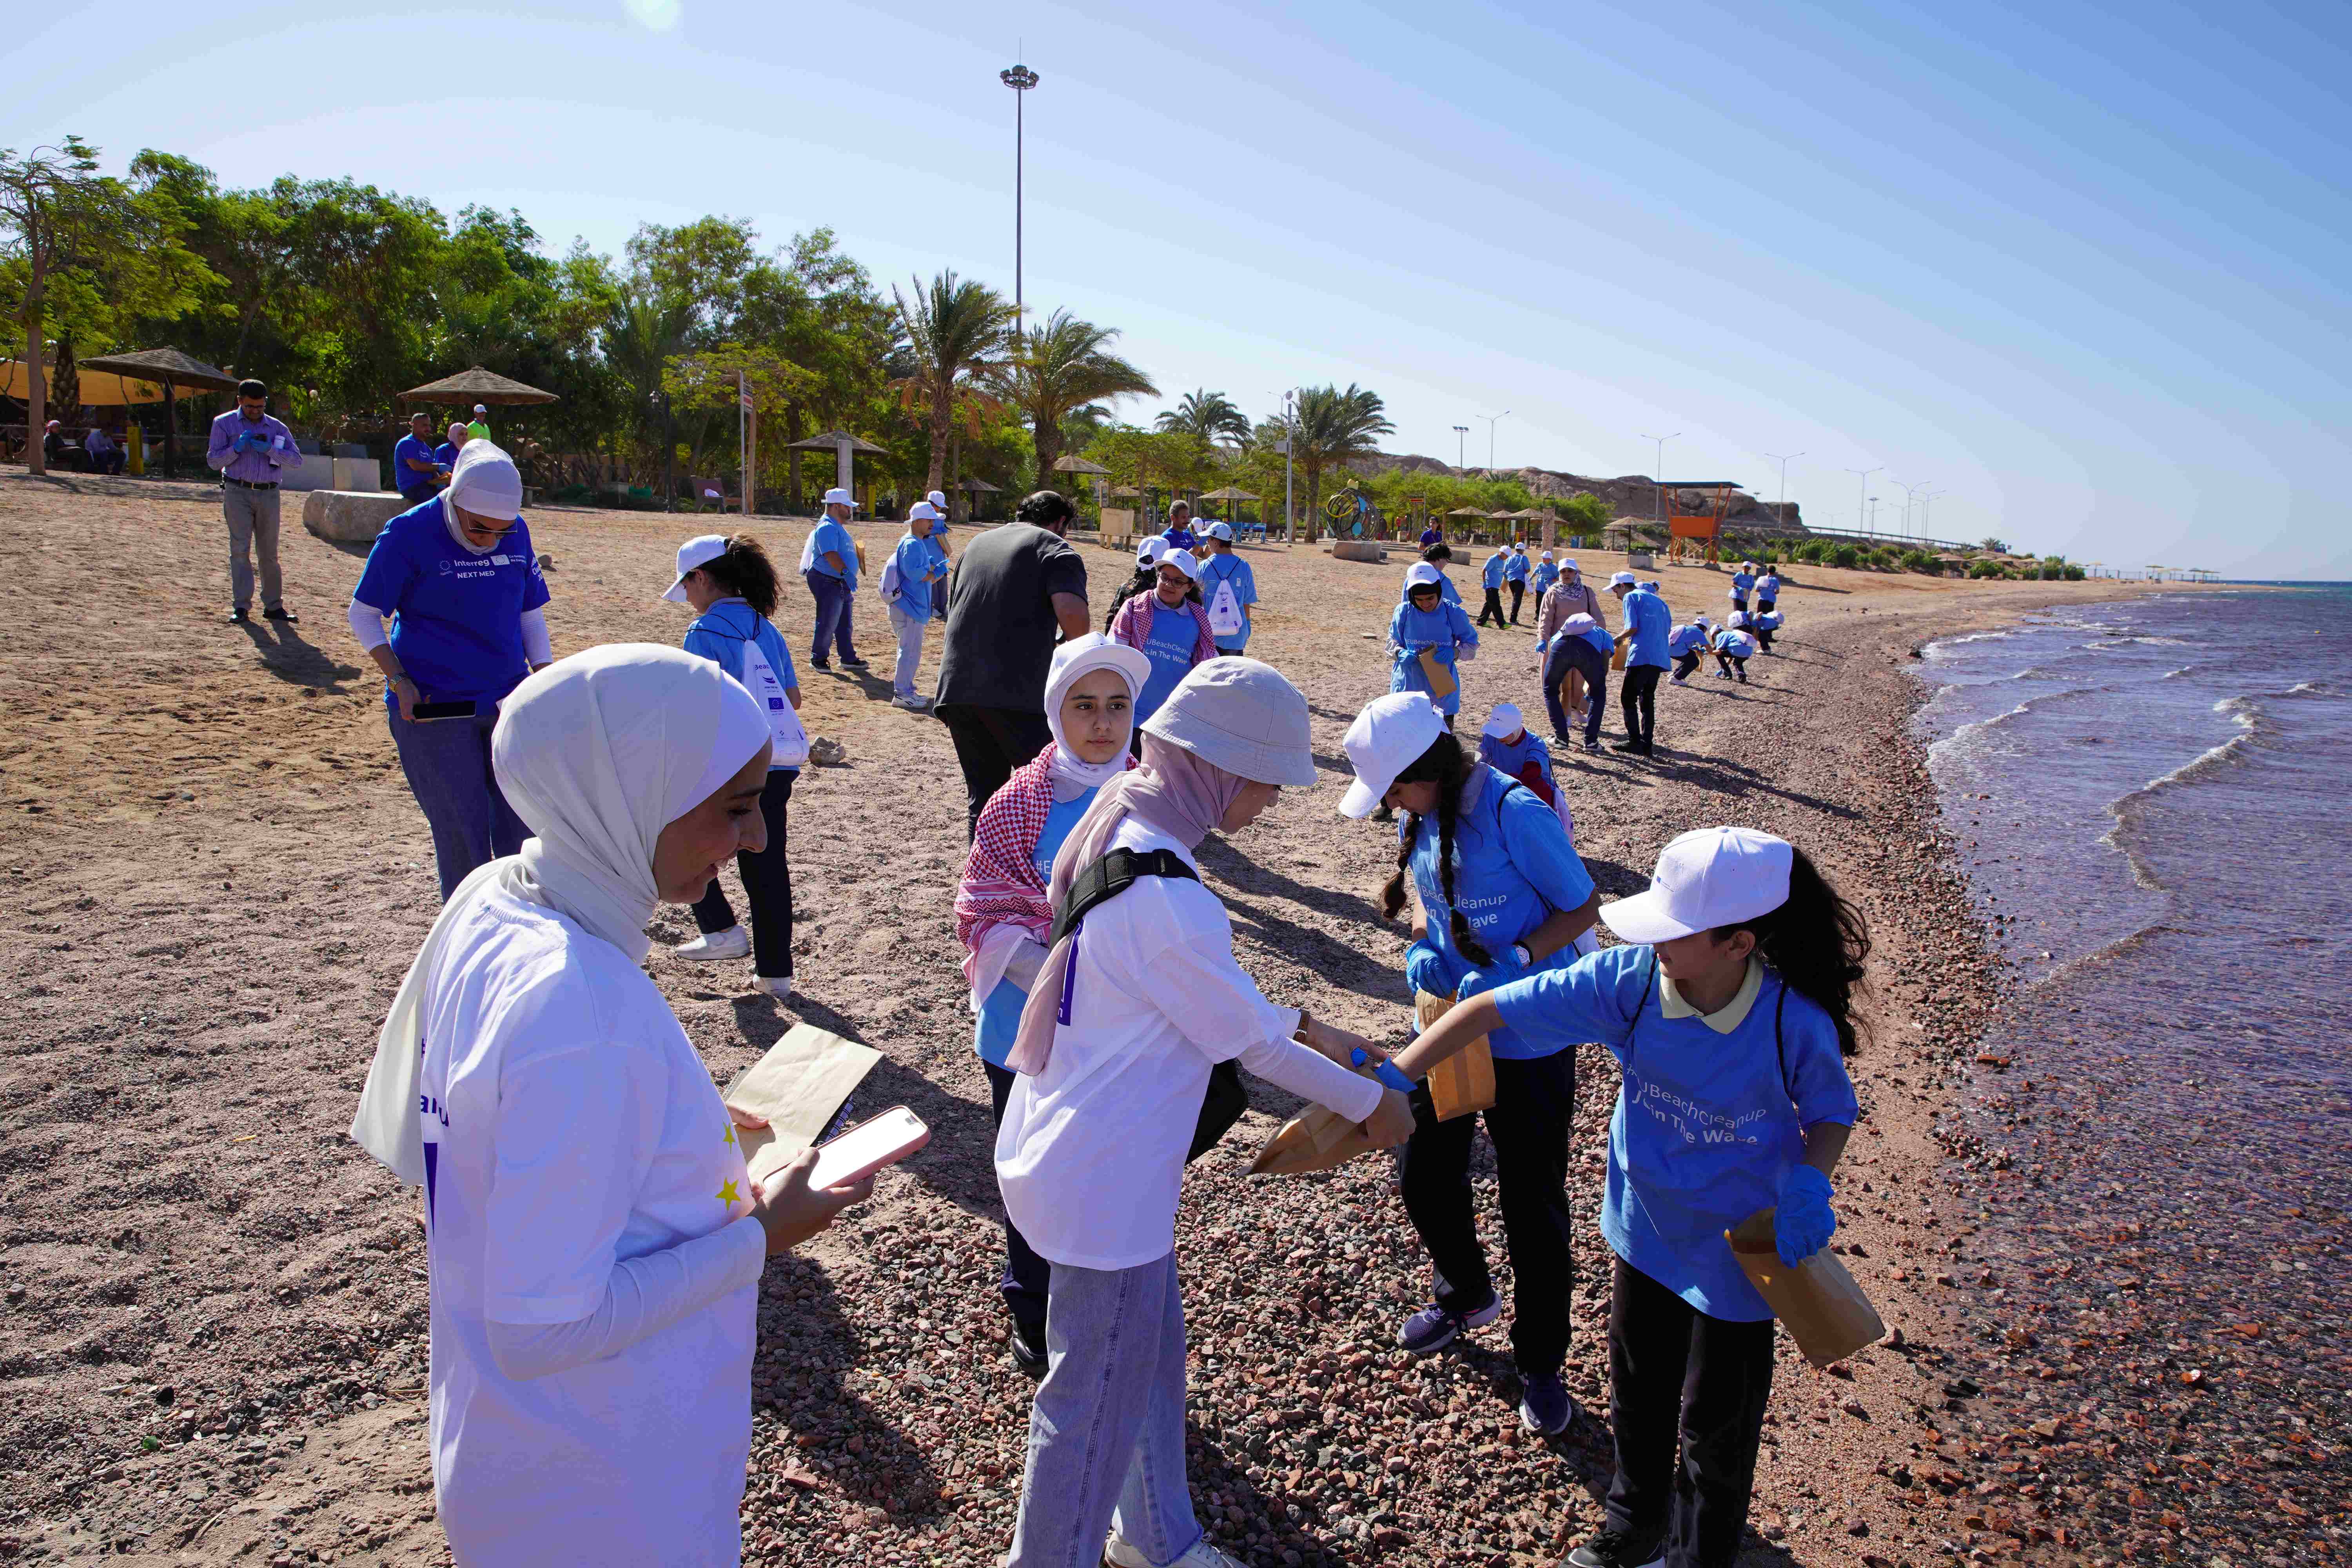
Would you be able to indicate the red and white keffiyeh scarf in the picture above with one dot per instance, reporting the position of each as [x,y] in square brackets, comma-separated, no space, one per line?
[1001,886]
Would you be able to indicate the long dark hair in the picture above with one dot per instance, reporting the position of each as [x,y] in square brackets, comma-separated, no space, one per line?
[1443,765]
[1818,943]
[746,573]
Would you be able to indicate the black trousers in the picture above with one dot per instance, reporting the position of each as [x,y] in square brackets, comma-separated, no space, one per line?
[1685,664]
[1518,593]
[1535,1102]
[1732,663]
[767,882]
[1639,697]
[1027,1275]
[1678,1376]
[1493,606]
[1763,636]
[989,742]
[1573,652]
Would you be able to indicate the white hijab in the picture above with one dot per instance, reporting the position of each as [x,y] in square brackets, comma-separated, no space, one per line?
[1079,657]
[597,753]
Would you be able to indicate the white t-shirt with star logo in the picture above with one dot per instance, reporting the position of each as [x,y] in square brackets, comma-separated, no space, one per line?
[570,1125]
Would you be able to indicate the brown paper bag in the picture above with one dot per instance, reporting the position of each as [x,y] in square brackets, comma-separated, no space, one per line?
[1824,1310]
[1440,675]
[1316,1138]
[1463,1083]
[1617,659]
[799,1086]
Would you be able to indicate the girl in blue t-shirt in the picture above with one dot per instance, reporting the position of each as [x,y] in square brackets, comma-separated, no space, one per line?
[1730,1012]
[1169,626]
[1500,893]
[731,584]
[1427,622]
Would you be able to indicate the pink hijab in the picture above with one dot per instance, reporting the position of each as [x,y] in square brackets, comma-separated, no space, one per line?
[1175,792]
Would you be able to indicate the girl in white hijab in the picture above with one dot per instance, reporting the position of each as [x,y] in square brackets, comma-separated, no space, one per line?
[595,1243]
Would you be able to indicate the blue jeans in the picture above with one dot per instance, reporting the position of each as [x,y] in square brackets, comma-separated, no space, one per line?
[447,761]
[1574,653]
[833,618]
[1107,1431]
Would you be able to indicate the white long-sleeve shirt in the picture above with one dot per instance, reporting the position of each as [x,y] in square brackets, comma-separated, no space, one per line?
[1091,1153]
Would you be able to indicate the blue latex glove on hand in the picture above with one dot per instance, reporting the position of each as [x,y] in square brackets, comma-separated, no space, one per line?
[1386,1072]
[1804,1222]
[1424,970]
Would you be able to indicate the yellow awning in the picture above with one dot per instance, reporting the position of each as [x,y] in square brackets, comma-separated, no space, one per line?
[100,388]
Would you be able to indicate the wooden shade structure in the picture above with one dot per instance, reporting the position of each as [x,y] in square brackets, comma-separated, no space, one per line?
[844,449]
[1231,495]
[486,387]
[175,369]
[1074,464]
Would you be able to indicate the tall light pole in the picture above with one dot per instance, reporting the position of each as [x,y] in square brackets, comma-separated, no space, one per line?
[1658,479]
[1020,79]
[1492,420]
[1290,448]
[1782,507]
[1926,527]
[1863,489]
[1910,494]
[1461,445]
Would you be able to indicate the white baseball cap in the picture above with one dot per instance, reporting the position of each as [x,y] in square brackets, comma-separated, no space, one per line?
[1149,553]
[1221,530]
[839,497]
[1388,737]
[1622,579]
[1738,617]
[1503,722]
[1421,574]
[1183,562]
[1547,554]
[479,409]
[1707,877]
[922,511]
[694,553]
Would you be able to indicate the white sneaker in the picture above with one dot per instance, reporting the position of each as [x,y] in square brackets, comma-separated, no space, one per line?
[716,947]
[1203,1555]
[1677,680]
[778,986]
[911,704]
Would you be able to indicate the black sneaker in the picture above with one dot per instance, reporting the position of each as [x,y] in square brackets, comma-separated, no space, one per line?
[239,619]
[1028,1356]
[1633,746]
[1617,1549]
[279,613]
[819,664]
[854,663]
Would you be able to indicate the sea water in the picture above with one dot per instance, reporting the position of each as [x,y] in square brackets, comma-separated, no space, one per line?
[2150,802]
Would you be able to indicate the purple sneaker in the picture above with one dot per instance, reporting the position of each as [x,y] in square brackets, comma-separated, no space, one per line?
[1433,1328]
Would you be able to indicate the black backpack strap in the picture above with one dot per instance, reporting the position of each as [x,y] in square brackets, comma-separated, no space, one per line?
[1111,875]
[1780,1050]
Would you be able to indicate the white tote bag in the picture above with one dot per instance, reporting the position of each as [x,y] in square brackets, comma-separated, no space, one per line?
[1225,611]
[792,745]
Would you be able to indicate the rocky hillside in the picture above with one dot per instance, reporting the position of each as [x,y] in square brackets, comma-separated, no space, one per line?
[1629,495]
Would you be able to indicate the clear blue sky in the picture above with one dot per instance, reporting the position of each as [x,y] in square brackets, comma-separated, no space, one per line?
[2080,270]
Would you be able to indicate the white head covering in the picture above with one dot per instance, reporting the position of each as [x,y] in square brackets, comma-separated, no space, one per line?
[1183,562]
[1080,656]
[1578,624]
[597,753]
[485,481]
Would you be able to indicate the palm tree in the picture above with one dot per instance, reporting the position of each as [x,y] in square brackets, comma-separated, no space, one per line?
[1331,426]
[958,331]
[1060,368]
[1211,416]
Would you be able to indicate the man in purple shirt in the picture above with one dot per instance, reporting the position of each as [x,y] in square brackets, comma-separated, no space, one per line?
[248,448]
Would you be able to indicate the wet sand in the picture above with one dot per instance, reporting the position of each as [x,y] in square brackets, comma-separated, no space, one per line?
[211,879]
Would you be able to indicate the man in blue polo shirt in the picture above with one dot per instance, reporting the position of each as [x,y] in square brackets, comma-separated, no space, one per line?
[412,470]
[829,565]
[1515,574]
[1648,625]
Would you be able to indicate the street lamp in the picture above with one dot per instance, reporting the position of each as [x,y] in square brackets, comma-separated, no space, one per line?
[1289,446]
[1658,479]
[1863,489]
[1461,445]
[1492,419]
[1910,494]
[1781,506]
[1020,79]
[670,452]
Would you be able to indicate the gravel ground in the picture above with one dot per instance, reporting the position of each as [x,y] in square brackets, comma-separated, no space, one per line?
[212,1345]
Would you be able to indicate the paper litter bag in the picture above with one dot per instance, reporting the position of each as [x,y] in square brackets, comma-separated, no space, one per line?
[1316,1138]
[799,1086]
[1463,1083]
[1824,1310]
[1440,676]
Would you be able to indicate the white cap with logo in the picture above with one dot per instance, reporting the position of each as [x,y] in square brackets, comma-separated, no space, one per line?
[1503,722]
[1387,737]
[1183,562]
[839,497]
[1622,579]
[1707,877]
[1149,553]
[1223,530]
[700,551]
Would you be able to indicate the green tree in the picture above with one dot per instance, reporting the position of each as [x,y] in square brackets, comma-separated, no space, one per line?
[85,249]
[1211,416]
[1330,426]
[1059,367]
[958,334]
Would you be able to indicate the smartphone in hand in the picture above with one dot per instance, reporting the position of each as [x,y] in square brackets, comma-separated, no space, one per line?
[883,1139]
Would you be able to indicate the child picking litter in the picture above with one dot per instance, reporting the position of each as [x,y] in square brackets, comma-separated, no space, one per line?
[1729,1009]
[1733,648]
[1427,638]
[1764,622]
[1505,745]
[1685,644]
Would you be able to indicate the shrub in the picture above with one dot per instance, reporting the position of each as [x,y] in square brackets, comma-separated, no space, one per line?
[2074,572]
[1920,561]
[1987,569]
[1845,555]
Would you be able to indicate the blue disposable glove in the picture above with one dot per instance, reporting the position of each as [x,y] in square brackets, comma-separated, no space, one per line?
[1386,1072]
[1425,969]
[1804,1222]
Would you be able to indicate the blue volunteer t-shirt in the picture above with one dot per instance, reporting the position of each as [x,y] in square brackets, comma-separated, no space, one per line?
[720,633]
[1735,645]
[1513,868]
[404,478]
[1512,760]
[1183,538]
[1690,638]
[457,617]
[1000,1016]
[1540,580]
[915,563]
[1770,620]
[1437,630]
[1168,646]
[831,535]
[1646,616]
[446,454]
[1741,582]
[1221,571]
[1767,586]
[1491,574]
[1708,1120]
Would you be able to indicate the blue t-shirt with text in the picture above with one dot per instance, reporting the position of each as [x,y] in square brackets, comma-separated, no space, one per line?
[404,478]
[1000,1016]
[1646,617]
[457,617]
[1168,646]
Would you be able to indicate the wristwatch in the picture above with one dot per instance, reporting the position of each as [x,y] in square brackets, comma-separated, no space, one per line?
[1519,951]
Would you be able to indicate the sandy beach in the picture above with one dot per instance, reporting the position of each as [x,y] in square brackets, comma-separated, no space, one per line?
[211,879]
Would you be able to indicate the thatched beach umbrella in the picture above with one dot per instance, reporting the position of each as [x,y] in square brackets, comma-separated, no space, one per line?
[1230,494]
[976,488]
[175,369]
[486,387]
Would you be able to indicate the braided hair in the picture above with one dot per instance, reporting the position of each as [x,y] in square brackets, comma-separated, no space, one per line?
[1817,941]
[1443,765]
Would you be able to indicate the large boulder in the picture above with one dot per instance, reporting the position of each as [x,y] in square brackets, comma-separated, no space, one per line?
[349,517]
[1359,550]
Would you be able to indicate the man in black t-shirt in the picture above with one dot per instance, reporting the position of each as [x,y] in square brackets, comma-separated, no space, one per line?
[1015,593]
